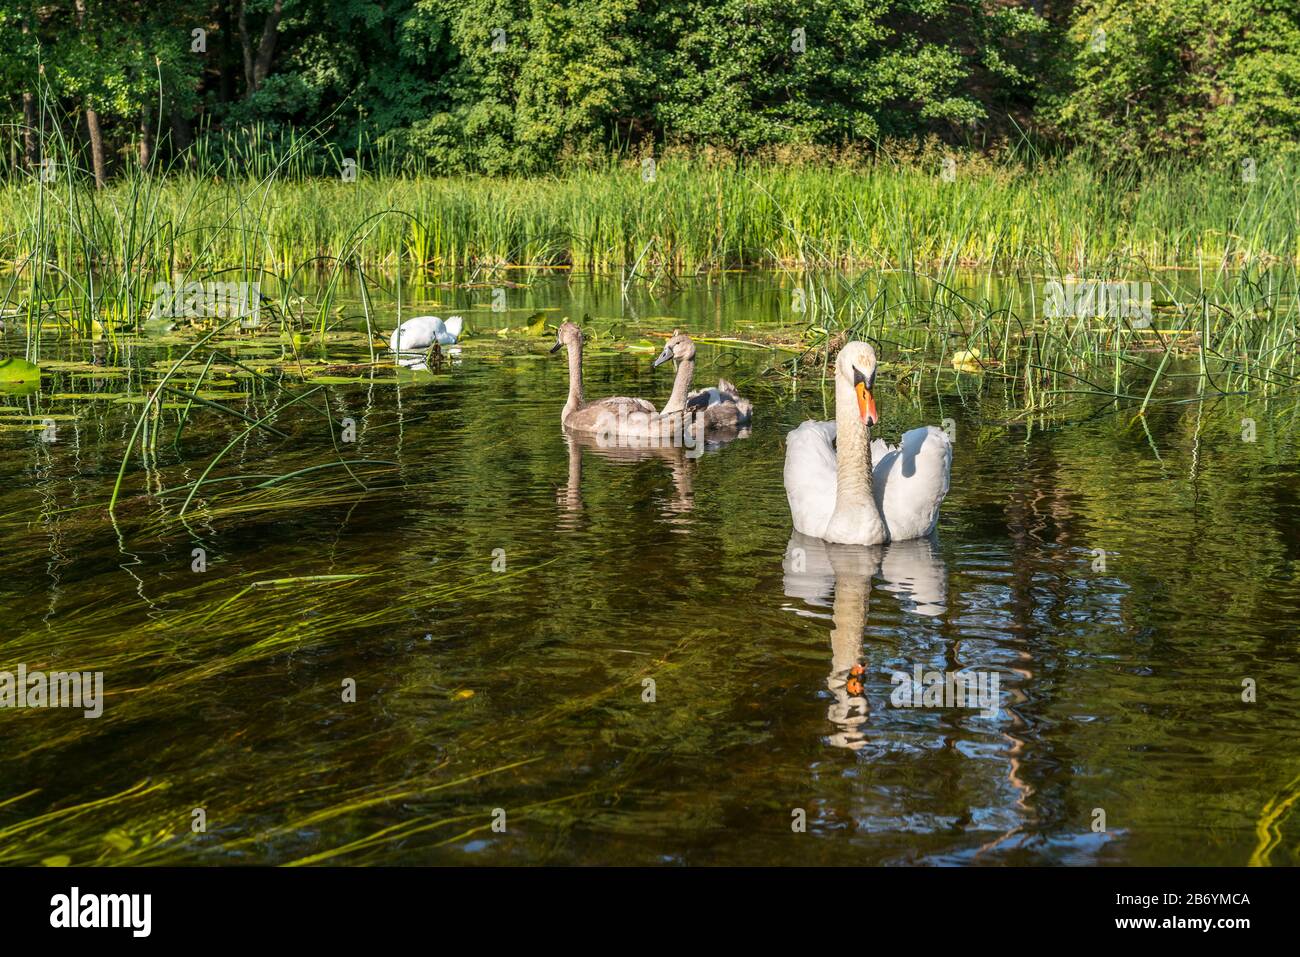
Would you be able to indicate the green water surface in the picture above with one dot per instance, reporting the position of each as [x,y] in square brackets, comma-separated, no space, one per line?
[625,658]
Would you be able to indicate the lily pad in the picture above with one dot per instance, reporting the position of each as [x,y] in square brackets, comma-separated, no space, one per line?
[337,379]
[63,365]
[15,370]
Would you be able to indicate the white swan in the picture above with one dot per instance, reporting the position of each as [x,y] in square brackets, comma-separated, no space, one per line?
[418,334]
[845,488]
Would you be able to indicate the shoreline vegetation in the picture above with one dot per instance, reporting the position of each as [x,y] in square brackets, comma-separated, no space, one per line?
[89,263]
[677,214]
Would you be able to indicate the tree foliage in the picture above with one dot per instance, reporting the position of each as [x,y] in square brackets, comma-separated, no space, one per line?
[500,86]
[1217,78]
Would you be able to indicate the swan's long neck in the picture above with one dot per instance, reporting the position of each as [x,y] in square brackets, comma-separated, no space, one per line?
[575,380]
[855,498]
[681,386]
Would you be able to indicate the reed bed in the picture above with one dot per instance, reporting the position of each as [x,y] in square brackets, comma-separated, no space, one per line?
[679,216]
[90,263]
[1208,334]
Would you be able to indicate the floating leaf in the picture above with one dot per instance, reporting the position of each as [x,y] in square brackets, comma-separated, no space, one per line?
[61,365]
[967,360]
[15,370]
[339,379]
[18,388]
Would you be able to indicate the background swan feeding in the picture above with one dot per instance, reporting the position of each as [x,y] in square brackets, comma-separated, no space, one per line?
[418,334]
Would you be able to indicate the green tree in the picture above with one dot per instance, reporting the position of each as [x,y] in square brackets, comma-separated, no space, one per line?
[1216,78]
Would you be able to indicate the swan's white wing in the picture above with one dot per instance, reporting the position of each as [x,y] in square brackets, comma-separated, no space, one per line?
[912,569]
[810,476]
[415,334]
[911,482]
[451,330]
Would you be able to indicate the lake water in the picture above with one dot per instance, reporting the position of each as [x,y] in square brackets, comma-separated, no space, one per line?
[565,655]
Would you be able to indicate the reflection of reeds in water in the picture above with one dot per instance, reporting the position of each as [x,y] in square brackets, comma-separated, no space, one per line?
[182,653]
[163,669]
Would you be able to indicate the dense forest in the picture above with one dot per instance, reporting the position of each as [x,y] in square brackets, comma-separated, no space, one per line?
[497,86]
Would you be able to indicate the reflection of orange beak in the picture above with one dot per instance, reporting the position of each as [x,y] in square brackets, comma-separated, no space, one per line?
[866,404]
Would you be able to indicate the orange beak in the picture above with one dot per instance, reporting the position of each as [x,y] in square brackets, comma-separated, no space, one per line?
[866,404]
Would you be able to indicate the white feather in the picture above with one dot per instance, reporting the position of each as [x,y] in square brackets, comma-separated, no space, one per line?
[418,334]
[910,481]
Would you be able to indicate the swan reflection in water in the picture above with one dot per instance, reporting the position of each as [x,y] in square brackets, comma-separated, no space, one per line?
[822,574]
[680,460]
[431,360]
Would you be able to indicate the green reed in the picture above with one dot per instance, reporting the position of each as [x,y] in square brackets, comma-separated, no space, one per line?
[680,215]
[260,204]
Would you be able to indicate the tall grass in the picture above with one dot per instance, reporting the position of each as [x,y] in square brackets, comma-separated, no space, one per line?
[691,216]
[1214,333]
[88,261]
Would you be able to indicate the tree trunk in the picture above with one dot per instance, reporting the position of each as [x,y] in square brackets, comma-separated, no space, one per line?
[226,33]
[92,117]
[30,147]
[146,138]
[96,145]
[181,139]
[257,63]
[246,45]
[266,49]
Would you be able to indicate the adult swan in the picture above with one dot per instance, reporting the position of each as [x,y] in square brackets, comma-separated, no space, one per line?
[845,488]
